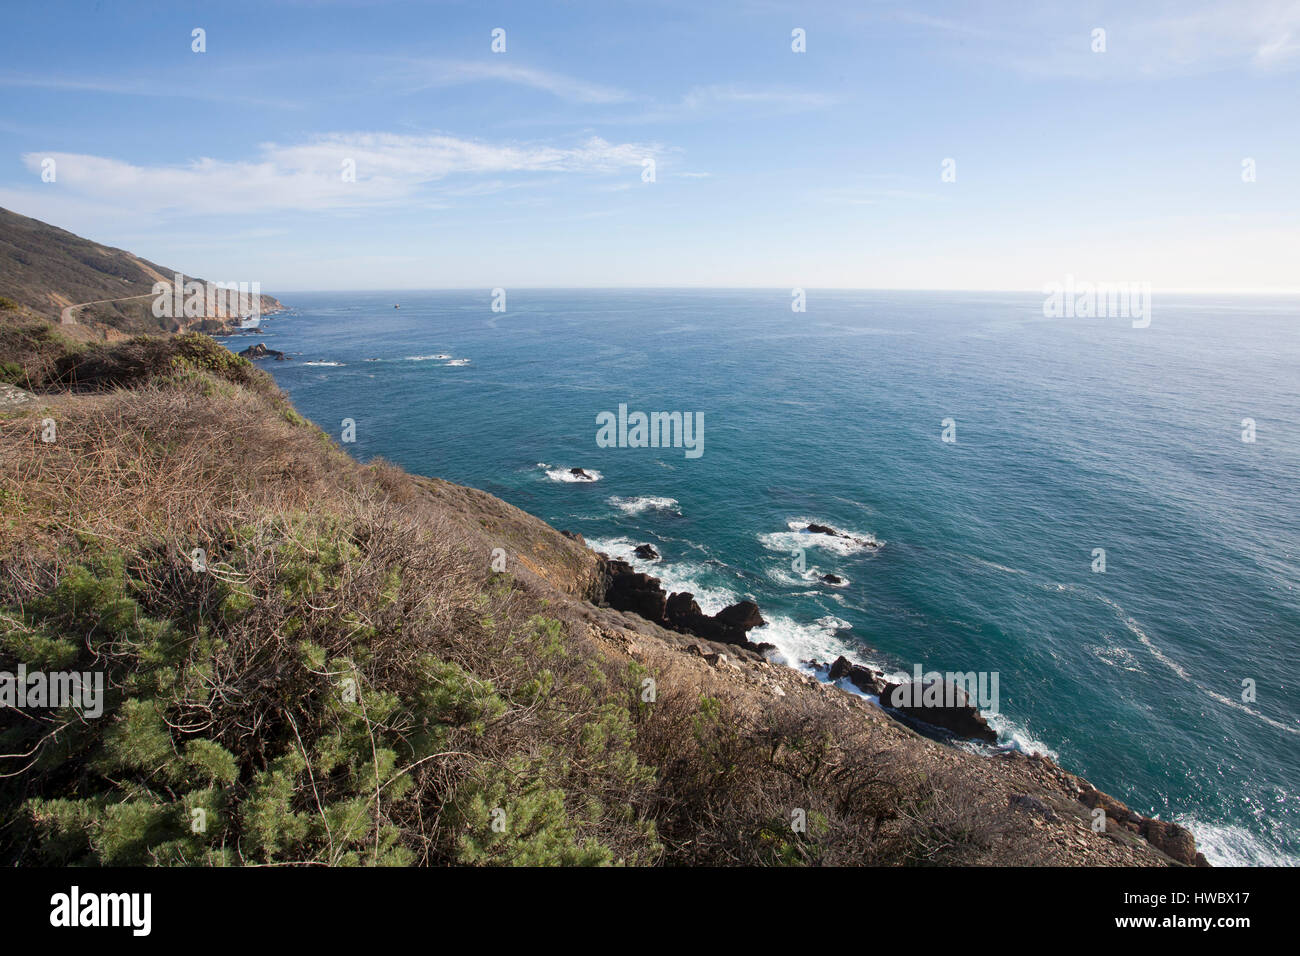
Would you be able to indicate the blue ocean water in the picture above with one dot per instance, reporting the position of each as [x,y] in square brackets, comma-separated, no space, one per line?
[1071,435]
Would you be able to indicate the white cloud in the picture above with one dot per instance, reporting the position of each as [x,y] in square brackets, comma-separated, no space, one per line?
[390,168]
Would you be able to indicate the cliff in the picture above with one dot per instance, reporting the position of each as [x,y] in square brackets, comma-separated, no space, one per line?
[331,662]
[225,641]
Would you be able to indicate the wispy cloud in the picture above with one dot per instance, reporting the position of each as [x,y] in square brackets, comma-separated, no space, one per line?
[411,75]
[1054,39]
[703,103]
[389,168]
[169,88]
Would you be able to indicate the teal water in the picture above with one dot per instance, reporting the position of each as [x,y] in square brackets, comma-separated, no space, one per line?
[1071,435]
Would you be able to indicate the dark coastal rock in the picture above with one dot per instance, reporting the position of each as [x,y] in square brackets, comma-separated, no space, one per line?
[863,678]
[641,594]
[681,608]
[823,529]
[961,717]
[834,533]
[832,579]
[260,351]
[579,473]
[646,551]
[574,536]
[629,590]
[744,615]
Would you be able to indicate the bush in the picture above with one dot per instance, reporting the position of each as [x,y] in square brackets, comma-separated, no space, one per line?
[372,723]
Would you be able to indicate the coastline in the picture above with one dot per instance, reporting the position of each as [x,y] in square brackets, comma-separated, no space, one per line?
[1044,814]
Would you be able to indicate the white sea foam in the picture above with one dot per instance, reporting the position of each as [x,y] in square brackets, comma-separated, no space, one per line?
[1225,845]
[426,358]
[784,574]
[1009,732]
[644,503]
[456,363]
[796,537]
[1145,640]
[1120,657]
[325,364]
[565,475]
[797,641]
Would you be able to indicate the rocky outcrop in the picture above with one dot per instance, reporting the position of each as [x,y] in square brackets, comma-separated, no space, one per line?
[832,579]
[1174,841]
[646,552]
[824,529]
[863,678]
[830,532]
[629,590]
[260,351]
[581,475]
[952,711]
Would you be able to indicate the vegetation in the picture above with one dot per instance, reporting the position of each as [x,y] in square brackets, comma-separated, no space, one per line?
[310,661]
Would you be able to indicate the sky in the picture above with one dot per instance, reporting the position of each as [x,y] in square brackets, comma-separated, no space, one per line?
[978,145]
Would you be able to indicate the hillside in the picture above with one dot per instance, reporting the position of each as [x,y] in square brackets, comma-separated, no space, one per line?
[47,270]
[309,660]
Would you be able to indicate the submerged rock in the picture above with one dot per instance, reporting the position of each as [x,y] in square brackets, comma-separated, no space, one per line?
[580,474]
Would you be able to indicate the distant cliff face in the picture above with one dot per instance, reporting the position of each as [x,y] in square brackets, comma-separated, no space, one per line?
[50,270]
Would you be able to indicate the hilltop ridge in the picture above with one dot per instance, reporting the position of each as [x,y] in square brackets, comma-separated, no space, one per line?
[49,270]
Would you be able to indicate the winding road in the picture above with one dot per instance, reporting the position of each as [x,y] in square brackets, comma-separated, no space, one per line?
[67,317]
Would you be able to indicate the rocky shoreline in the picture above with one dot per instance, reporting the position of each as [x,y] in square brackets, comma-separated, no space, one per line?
[623,588]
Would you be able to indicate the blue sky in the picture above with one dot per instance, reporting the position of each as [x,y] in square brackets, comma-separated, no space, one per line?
[771,168]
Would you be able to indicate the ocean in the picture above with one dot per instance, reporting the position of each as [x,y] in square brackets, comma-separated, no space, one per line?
[1165,675]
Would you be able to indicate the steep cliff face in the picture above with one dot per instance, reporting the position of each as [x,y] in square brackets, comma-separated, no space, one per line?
[281,626]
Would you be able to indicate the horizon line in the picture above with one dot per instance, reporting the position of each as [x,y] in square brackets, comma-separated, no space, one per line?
[768,288]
